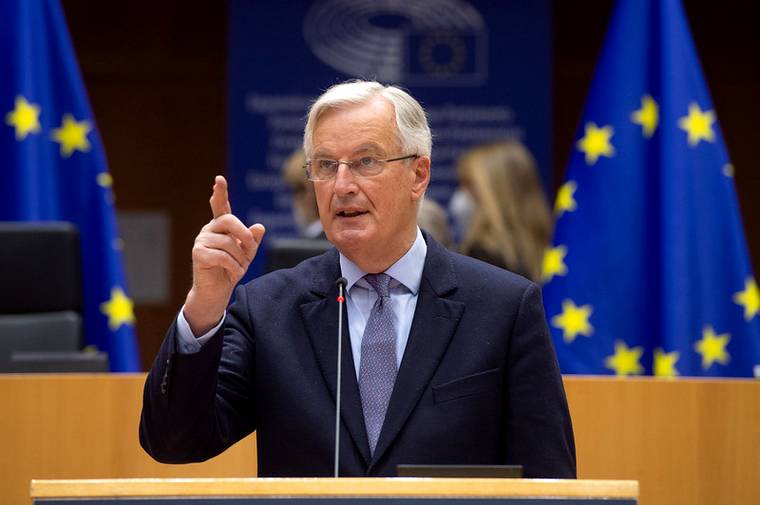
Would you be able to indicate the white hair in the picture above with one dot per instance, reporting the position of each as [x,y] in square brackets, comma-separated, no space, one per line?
[412,128]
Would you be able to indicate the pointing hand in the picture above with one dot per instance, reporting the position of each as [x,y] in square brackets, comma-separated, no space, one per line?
[223,250]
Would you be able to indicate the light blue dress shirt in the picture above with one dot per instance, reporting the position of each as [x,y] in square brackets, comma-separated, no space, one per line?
[406,276]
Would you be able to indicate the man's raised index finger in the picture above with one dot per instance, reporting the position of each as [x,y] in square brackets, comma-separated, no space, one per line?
[220,200]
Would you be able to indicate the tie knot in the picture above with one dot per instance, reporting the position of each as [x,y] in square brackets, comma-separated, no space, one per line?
[381,284]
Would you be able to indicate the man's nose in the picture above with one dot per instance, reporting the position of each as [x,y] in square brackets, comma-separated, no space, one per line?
[345,180]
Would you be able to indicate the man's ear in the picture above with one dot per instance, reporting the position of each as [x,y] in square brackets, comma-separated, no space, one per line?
[421,169]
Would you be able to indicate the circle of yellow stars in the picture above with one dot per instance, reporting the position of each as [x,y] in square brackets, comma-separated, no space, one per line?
[574,320]
[455,47]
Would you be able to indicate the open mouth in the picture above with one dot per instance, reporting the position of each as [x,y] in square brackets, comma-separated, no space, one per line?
[350,213]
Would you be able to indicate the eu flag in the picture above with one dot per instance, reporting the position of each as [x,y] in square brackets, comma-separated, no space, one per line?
[648,270]
[53,167]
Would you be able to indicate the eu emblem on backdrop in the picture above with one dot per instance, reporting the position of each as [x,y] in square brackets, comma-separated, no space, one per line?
[53,167]
[648,271]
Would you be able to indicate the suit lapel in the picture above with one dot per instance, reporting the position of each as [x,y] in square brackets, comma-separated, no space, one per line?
[434,323]
[321,322]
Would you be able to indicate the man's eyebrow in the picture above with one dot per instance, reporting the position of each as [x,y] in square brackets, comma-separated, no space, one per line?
[319,153]
[368,147]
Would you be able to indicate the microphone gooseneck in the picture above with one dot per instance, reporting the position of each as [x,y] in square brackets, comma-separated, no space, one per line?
[341,282]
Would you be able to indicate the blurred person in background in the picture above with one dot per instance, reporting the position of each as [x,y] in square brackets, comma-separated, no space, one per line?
[305,213]
[501,208]
[432,218]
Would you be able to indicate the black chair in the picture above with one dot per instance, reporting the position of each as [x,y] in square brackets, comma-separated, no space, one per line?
[288,252]
[41,299]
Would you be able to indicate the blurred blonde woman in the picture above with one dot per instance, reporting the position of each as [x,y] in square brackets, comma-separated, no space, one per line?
[511,223]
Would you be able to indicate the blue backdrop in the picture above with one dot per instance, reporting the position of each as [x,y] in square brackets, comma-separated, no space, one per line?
[481,69]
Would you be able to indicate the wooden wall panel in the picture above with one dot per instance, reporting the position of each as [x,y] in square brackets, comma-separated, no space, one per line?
[686,441]
[85,426]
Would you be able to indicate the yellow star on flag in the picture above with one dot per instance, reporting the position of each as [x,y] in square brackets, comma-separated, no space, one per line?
[119,309]
[104,180]
[749,298]
[596,142]
[712,347]
[625,361]
[553,263]
[665,363]
[72,135]
[648,116]
[25,118]
[565,198]
[573,320]
[698,124]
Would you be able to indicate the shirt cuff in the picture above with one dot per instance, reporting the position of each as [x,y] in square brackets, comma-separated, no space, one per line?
[187,342]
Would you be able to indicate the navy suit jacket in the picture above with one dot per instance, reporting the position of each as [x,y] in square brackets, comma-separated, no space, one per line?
[478,384]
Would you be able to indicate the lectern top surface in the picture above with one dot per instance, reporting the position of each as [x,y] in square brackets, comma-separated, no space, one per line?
[336,488]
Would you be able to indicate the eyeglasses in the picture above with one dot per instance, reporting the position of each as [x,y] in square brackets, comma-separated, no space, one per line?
[323,169]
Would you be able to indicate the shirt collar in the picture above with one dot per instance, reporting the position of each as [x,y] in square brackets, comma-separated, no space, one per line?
[407,270]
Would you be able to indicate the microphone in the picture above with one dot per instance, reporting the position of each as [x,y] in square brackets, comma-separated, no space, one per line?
[341,282]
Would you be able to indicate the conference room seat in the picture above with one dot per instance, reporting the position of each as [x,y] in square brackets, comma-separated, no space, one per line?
[41,300]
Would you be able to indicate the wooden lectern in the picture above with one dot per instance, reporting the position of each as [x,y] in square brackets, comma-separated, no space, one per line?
[344,491]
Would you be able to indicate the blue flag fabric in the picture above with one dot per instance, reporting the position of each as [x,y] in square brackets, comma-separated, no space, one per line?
[648,271]
[53,167]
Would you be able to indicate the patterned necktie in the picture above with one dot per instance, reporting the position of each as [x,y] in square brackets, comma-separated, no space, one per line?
[377,368]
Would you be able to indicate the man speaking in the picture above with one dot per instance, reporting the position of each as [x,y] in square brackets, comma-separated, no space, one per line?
[446,360]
